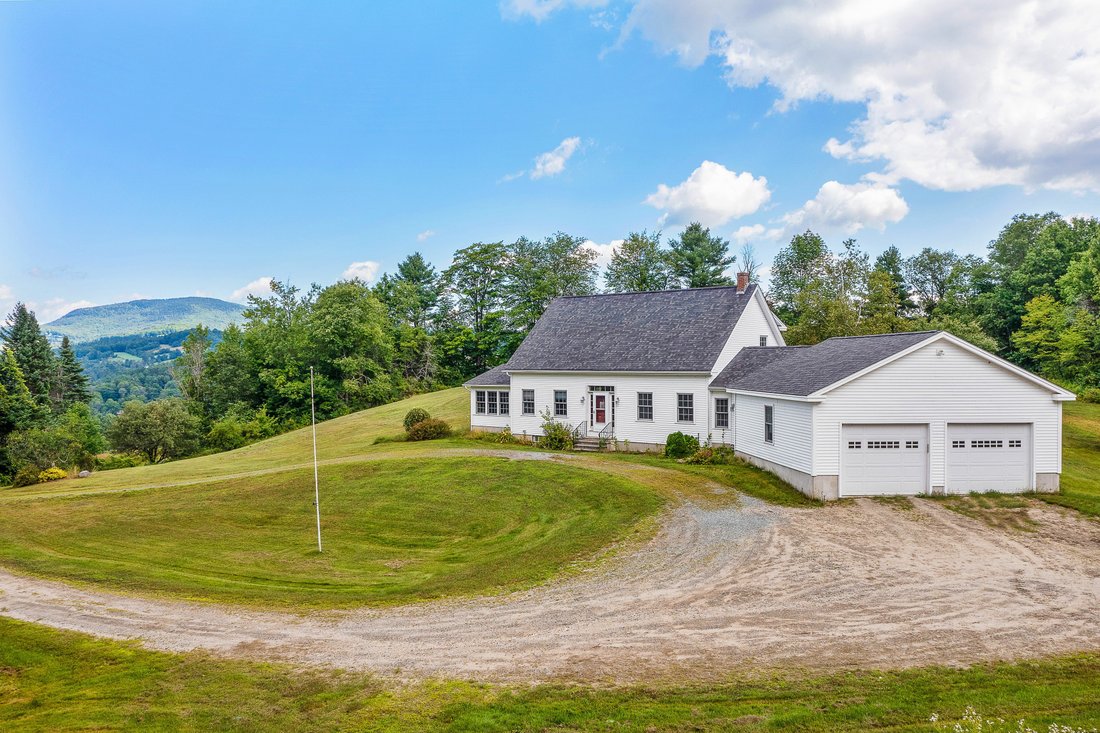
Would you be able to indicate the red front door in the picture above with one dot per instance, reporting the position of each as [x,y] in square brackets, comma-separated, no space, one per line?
[601,409]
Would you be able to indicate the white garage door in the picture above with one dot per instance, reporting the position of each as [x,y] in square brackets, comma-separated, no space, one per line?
[883,460]
[991,457]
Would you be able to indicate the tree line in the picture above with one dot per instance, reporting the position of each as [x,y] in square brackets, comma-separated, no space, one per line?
[1032,299]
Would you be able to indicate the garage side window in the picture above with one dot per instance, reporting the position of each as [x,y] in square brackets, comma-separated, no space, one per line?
[479,402]
[769,424]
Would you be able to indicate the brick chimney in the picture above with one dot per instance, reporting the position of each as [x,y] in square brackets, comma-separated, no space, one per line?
[742,281]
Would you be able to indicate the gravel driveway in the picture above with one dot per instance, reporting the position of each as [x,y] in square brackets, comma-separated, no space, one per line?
[718,590]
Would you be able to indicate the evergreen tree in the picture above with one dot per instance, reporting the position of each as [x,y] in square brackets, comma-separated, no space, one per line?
[423,282]
[71,385]
[638,265]
[32,352]
[18,409]
[699,260]
[893,264]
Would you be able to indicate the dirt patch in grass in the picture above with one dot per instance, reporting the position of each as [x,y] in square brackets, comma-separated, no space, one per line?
[1000,511]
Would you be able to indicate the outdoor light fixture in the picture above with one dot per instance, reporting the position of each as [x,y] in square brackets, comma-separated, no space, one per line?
[582,400]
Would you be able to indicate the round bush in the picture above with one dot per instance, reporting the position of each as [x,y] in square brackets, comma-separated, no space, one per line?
[429,429]
[26,476]
[415,416]
[52,474]
[678,445]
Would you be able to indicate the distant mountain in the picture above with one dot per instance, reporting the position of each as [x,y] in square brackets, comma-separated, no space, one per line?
[144,316]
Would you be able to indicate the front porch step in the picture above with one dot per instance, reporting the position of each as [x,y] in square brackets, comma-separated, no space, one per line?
[587,445]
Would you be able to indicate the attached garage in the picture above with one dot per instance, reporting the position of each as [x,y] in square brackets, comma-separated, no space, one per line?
[884,460]
[896,415]
[988,457]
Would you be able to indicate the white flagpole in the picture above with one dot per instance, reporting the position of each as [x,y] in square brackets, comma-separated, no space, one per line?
[316,482]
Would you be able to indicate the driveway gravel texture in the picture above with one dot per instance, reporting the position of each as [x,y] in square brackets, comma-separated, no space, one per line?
[717,591]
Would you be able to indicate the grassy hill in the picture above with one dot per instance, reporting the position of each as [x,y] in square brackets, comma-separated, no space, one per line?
[144,316]
[402,521]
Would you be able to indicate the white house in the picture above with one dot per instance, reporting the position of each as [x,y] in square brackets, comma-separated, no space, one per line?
[906,413]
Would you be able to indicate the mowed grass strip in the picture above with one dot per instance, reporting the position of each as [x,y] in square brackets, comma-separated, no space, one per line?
[395,531]
[342,437]
[1080,459]
[57,680]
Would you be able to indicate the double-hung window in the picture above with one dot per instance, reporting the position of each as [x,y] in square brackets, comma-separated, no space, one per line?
[763,340]
[722,412]
[561,403]
[528,402]
[504,399]
[645,405]
[492,403]
[769,423]
[479,402]
[685,408]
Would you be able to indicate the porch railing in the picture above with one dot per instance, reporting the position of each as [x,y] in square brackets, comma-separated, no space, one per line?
[580,431]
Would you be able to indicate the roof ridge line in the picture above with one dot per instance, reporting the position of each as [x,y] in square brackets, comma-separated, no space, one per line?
[656,292]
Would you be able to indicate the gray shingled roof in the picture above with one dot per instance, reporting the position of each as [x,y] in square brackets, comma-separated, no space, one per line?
[495,377]
[666,331]
[803,370]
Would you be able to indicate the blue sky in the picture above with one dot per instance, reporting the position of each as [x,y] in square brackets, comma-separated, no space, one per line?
[167,149]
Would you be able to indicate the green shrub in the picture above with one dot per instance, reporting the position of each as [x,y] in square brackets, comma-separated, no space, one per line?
[555,435]
[415,416]
[678,445]
[112,461]
[1092,394]
[26,476]
[716,455]
[429,429]
[52,474]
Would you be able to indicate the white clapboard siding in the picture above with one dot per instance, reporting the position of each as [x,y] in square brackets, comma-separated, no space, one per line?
[627,386]
[792,431]
[491,421]
[752,324]
[928,387]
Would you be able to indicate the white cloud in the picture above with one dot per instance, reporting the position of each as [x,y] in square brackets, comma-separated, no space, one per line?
[553,162]
[425,235]
[261,286]
[604,252]
[712,194]
[956,96]
[54,308]
[540,10]
[849,207]
[6,292]
[364,271]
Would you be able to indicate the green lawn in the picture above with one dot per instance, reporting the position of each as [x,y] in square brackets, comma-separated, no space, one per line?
[54,680]
[1080,458]
[395,531]
[341,438]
